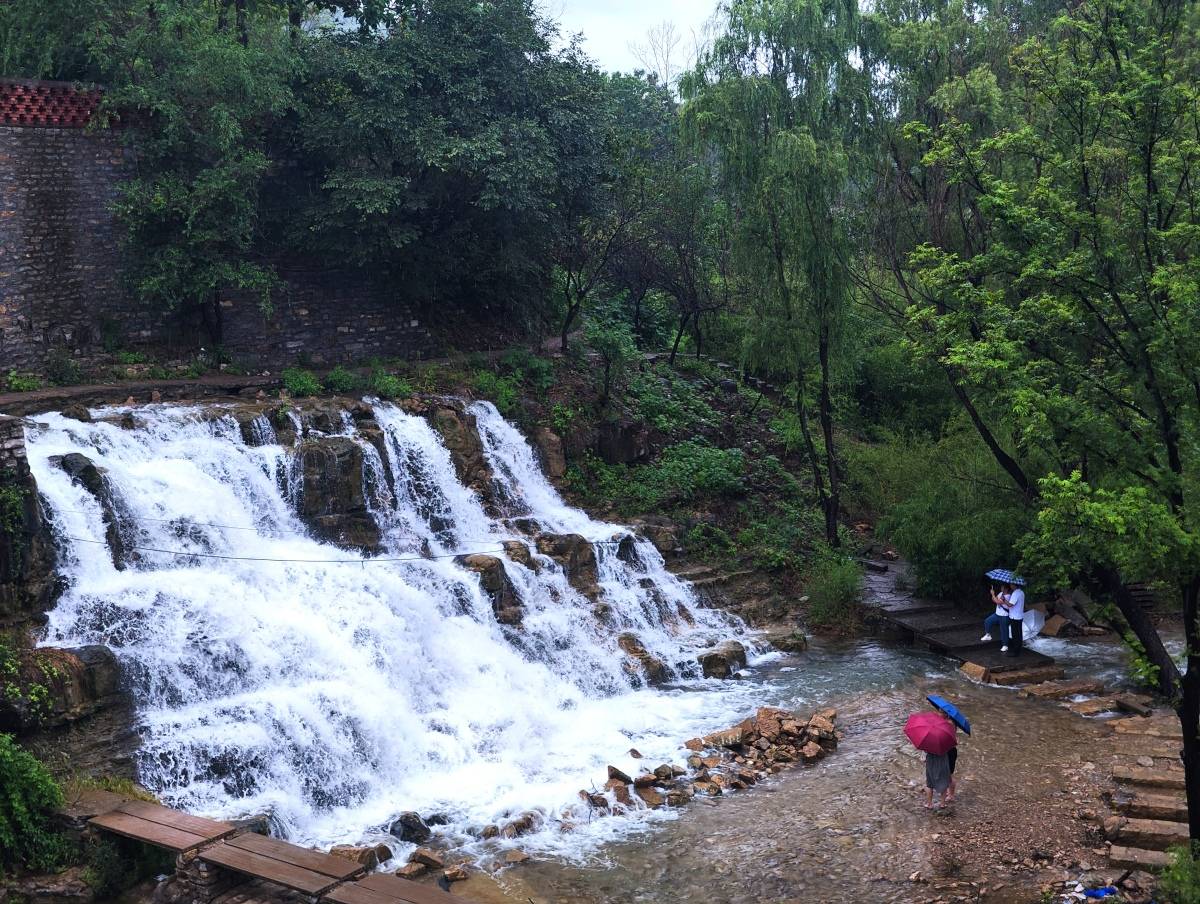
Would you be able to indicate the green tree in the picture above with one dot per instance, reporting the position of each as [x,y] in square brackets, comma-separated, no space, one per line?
[780,101]
[1075,308]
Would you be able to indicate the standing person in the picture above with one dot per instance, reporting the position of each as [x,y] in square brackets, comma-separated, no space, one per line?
[996,624]
[1016,620]
[938,779]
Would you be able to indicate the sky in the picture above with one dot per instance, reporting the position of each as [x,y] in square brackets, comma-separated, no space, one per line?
[610,25]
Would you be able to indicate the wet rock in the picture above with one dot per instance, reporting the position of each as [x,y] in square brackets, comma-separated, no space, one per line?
[522,825]
[514,856]
[77,412]
[332,501]
[650,797]
[812,751]
[646,780]
[662,538]
[456,873]
[490,832]
[85,473]
[724,660]
[694,744]
[494,580]
[768,722]
[577,557]
[519,553]
[412,871]
[410,827]
[427,857]
[620,792]
[648,666]
[67,887]
[550,445]
[459,434]
[729,737]
[635,753]
[615,773]
[367,856]
[788,641]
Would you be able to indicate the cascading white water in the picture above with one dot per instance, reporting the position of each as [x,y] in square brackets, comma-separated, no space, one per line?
[275,673]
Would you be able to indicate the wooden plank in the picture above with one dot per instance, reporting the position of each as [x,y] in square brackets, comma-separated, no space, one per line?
[176,819]
[148,832]
[353,893]
[408,891]
[1135,703]
[1135,858]
[1152,778]
[325,864]
[251,864]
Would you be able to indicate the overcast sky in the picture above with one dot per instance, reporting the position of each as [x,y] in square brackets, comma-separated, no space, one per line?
[609,26]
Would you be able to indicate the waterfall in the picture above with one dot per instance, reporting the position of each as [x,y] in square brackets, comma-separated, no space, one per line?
[275,673]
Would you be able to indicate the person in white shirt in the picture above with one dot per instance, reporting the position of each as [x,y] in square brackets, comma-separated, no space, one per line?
[1016,620]
[996,624]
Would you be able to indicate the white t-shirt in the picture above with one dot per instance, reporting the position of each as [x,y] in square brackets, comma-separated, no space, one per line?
[1000,610]
[1016,604]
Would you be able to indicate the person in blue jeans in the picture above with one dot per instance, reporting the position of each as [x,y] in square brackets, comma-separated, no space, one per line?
[1016,620]
[996,624]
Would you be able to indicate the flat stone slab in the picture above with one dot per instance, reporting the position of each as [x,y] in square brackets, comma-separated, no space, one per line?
[1151,778]
[1151,834]
[1136,858]
[1056,690]
[1148,805]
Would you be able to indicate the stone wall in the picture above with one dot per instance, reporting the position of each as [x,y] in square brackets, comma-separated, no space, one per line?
[61,288]
[60,283]
[27,576]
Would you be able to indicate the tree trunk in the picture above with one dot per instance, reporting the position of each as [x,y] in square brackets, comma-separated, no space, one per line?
[1189,710]
[825,409]
[572,313]
[223,14]
[243,34]
[683,320]
[810,449]
[212,320]
[1006,461]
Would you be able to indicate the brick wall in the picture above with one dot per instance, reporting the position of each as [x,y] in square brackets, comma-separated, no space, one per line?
[61,289]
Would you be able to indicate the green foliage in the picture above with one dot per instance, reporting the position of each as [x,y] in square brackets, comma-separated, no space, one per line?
[301,383]
[1180,882]
[613,343]
[19,382]
[113,865]
[390,386]
[782,536]
[502,391]
[1144,671]
[12,505]
[562,417]
[62,369]
[341,380]
[30,797]
[834,589]
[668,403]
[685,472]
[130,358]
[530,369]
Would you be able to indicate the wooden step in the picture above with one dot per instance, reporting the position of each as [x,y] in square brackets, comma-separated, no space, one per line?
[1032,675]
[1145,805]
[1137,858]
[318,862]
[161,826]
[1151,778]
[1149,834]
[406,890]
[1056,690]
[289,875]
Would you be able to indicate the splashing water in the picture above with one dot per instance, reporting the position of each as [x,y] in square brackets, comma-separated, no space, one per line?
[275,673]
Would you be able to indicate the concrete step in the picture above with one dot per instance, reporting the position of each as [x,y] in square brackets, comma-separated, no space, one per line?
[1056,690]
[1150,778]
[1136,858]
[1147,805]
[1149,834]
[1154,727]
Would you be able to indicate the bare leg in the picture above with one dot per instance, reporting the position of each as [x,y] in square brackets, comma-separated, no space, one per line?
[928,798]
[951,791]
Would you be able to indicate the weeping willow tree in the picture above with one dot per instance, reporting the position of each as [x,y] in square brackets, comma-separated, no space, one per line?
[777,100]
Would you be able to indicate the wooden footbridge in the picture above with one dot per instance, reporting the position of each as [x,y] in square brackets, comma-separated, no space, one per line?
[214,857]
[946,629]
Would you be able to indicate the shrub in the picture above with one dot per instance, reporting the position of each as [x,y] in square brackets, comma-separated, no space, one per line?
[31,795]
[300,383]
[389,386]
[668,403]
[613,341]
[18,382]
[502,391]
[341,380]
[1180,882]
[783,537]
[834,592]
[528,368]
[114,865]
[129,358]
[62,369]
[683,473]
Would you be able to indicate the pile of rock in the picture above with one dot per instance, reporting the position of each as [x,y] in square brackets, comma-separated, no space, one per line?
[729,760]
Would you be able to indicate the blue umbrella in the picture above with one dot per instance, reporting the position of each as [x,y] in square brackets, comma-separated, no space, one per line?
[1004,576]
[950,710]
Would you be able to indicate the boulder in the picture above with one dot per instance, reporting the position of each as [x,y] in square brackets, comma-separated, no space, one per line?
[494,580]
[522,825]
[411,828]
[577,557]
[663,539]
[812,751]
[461,438]
[730,737]
[1057,626]
[642,662]
[367,856]
[412,870]
[620,792]
[519,552]
[550,445]
[514,856]
[85,473]
[623,442]
[456,873]
[332,502]
[724,660]
[615,773]
[427,857]
[788,641]
[77,412]
[650,797]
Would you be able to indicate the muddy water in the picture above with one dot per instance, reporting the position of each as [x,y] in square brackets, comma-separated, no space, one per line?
[854,828]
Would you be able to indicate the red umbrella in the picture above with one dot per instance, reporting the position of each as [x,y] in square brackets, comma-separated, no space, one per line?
[930,732]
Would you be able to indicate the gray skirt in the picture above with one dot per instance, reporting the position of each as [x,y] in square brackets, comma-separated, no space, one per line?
[937,771]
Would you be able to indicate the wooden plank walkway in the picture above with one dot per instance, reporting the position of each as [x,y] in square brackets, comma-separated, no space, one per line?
[942,628]
[310,872]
